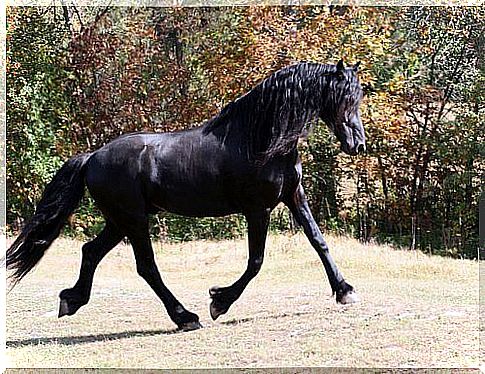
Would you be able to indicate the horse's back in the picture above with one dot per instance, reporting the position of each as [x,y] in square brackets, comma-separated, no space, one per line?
[178,172]
[187,173]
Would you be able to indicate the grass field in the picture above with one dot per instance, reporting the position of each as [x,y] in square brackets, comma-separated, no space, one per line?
[416,310]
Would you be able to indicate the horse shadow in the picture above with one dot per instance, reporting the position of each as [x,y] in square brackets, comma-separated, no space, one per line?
[83,339]
[237,321]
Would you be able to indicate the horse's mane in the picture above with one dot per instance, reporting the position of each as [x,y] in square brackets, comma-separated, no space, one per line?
[274,113]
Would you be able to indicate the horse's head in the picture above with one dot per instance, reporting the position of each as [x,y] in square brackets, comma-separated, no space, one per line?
[340,110]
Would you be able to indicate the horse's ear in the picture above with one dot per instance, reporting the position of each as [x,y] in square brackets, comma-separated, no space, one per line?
[356,66]
[340,65]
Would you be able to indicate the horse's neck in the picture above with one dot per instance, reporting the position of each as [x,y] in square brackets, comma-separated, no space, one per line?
[275,117]
[269,119]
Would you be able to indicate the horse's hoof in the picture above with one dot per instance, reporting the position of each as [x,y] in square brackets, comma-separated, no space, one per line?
[215,312]
[350,297]
[190,326]
[64,308]
[214,291]
[221,301]
[68,307]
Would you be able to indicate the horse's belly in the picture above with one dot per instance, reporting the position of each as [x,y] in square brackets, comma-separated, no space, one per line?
[217,198]
[201,210]
[192,200]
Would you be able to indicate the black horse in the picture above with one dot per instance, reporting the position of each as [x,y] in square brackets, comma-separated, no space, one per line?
[243,160]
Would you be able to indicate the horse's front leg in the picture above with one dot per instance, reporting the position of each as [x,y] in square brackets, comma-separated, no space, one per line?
[223,297]
[298,206]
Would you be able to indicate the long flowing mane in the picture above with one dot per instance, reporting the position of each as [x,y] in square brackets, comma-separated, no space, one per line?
[275,112]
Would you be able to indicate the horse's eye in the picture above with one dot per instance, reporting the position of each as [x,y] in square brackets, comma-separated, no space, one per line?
[367,88]
[351,125]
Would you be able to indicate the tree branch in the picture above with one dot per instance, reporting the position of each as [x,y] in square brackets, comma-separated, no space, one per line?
[101,15]
[67,19]
[81,23]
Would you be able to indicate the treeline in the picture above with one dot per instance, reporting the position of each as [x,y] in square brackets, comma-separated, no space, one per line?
[79,77]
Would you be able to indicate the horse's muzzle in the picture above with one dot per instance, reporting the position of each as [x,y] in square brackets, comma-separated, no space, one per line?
[360,148]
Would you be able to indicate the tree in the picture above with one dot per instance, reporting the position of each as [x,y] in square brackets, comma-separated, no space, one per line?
[39,105]
[104,71]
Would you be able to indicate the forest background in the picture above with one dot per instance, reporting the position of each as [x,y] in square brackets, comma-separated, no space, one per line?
[79,77]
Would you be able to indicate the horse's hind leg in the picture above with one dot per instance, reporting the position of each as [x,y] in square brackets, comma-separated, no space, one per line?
[92,253]
[223,297]
[147,269]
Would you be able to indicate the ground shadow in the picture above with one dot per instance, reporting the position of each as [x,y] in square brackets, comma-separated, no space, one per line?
[81,339]
[237,321]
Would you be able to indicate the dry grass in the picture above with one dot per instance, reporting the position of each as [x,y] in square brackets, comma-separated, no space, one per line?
[416,311]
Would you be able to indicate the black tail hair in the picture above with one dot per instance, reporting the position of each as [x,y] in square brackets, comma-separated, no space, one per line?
[61,196]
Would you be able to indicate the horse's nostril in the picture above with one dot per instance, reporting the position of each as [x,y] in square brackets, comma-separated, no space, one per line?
[360,148]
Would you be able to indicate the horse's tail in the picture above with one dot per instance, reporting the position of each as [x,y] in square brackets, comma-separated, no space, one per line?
[61,196]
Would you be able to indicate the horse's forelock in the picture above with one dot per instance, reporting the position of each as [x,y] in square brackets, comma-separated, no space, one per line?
[343,93]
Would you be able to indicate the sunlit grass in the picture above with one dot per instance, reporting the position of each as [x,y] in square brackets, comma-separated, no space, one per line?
[416,310]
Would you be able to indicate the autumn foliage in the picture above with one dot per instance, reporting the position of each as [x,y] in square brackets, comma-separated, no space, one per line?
[77,78]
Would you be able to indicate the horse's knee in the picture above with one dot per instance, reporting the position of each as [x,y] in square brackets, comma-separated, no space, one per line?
[146,271]
[87,254]
[88,249]
[92,253]
[255,265]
